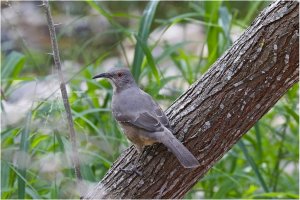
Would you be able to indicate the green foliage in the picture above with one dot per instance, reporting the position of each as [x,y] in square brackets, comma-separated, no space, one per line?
[143,34]
[35,158]
[11,68]
[149,57]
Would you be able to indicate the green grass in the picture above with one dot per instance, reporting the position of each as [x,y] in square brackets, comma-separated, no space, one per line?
[255,168]
[142,37]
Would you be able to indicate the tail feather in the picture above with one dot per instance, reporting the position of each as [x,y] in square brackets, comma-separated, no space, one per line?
[186,158]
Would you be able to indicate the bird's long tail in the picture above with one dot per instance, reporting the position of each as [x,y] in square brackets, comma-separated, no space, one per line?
[186,158]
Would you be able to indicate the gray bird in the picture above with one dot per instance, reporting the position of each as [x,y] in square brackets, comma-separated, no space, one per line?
[141,118]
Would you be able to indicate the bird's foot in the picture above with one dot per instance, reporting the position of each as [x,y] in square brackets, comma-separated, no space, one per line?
[148,151]
[131,170]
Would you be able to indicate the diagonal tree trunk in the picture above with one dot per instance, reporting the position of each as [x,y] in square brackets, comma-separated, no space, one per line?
[217,110]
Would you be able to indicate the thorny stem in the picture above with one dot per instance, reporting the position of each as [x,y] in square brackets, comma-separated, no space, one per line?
[74,153]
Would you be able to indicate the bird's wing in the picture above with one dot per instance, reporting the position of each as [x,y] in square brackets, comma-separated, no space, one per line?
[161,116]
[158,112]
[142,120]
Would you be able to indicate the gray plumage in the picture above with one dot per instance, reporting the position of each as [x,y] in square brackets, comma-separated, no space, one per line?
[141,118]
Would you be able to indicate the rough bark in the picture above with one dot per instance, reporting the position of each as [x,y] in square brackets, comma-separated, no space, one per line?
[217,110]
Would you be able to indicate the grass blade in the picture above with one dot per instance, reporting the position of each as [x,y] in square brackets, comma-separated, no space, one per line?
[143,34]
[24,179]
[5,177]
[253,165]
[275,195]
[12,65]
[258,139]
[87,121]
[292,113]
[21,160]
[225,23]
[252,11]
[105,13]
[212,12]
[11,68]
[149,57]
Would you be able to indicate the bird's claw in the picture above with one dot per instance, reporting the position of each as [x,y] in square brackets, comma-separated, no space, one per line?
[132,170]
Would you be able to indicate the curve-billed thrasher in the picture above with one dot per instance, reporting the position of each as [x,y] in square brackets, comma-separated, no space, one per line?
[141,118]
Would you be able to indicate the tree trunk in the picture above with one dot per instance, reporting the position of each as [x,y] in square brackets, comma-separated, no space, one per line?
[217,110]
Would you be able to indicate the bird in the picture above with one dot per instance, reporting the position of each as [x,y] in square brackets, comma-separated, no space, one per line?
[141,118]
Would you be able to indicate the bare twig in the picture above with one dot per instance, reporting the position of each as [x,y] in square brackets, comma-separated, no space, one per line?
[74,154]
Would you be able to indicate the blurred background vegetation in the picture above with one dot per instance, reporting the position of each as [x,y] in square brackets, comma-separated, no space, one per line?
[167,48]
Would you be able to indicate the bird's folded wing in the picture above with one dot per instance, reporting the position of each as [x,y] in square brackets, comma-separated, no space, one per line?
[142,120]
[161,116]
[158,112]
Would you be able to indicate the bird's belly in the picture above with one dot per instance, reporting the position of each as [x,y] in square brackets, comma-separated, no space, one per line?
[137,136]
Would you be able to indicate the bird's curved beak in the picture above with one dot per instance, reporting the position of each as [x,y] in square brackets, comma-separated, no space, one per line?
[103,75]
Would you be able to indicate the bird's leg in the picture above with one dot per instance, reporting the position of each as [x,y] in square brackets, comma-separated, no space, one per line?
[152,149]
[143,153]
[136,164]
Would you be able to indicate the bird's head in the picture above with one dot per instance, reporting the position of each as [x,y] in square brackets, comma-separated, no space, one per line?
[120,78]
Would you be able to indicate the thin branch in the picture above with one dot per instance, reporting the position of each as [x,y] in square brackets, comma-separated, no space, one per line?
[74,153]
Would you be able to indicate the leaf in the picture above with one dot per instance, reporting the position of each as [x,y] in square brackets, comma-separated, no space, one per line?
[275,195]
[251,11]
[154,88]
[253,165]
[4,179]
[178,18]
[258,139]
[103,12]
[77,115]
[11,68]
[59,140]
[143,34]
[149,57]
[169,49]
[36,141]
[23,148]
[20,176]
[12,65]
[212,16]
[225,24]
[292,113]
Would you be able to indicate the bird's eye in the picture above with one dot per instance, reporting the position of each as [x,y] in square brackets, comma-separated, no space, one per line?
[119,74]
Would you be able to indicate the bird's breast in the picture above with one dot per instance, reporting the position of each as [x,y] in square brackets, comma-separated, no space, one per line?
[137,136]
